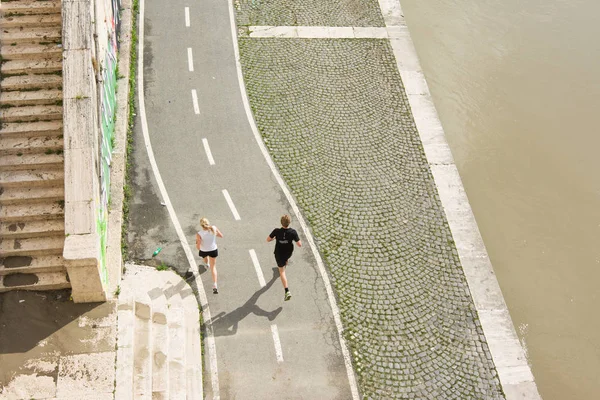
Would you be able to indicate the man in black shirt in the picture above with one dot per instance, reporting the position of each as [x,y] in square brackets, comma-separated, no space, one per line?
[284,247]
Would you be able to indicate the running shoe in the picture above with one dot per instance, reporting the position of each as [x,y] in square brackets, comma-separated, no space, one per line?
[287,296]
[215,290]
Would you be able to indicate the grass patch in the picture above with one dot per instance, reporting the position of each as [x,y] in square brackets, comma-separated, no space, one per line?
[127,193]
[162,267]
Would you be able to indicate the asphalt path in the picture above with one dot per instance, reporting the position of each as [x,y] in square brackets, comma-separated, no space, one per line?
[265,347]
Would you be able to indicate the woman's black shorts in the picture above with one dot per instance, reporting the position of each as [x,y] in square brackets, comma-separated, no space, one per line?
[211,254]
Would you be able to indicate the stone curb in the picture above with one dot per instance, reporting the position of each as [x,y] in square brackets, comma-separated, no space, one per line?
[114,260]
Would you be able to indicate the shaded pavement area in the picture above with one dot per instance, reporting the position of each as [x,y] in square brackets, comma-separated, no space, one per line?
[52,348]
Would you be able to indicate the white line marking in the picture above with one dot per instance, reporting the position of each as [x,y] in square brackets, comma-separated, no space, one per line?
[332,302]
[231,205]
[187,17]
[210,337]
[211,160]
[323,32]
[190,60]
[278,352]
[195,101]
[261,278]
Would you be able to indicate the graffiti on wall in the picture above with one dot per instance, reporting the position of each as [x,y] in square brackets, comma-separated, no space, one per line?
[108,101]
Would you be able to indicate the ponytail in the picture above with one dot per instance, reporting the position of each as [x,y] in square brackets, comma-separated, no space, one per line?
[205,224]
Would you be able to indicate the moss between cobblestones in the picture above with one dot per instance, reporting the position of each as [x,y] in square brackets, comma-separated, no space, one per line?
[336,120]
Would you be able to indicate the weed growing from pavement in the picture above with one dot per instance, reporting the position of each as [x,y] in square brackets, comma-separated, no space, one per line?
[162,267]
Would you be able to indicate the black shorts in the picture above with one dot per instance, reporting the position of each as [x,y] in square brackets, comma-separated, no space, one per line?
[211,254]
[282,259]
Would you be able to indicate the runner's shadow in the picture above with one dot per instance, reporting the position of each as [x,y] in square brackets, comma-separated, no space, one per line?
[227,324]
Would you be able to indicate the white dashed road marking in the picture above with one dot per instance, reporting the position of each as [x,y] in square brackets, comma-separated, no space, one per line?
[190,60]
[321,267]
[231,205]
[211,347]
[195,101]
[187,17]
[261,278]
[278,352]
[211,160]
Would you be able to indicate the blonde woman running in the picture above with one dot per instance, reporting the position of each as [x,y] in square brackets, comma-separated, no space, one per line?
[206,243]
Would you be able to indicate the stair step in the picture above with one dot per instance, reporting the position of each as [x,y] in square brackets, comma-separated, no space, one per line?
[125,341]
[32,212]
[31,66]
[39,281]
[29,178]
[28,264]
[160,349]
[177,347]
[193,353]
[31,35]
[32,82]
[31,7]
[37,97]
[31,113]
[44,246]
[28,195]
[31,161]
[32,229]
[32,129]
[31,145]
[142,364]
[31,21]
[26,51]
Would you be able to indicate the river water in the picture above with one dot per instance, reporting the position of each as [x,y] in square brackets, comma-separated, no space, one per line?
[517,88]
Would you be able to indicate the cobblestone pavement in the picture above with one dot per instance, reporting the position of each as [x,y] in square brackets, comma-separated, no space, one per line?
[335,117]
[309,13]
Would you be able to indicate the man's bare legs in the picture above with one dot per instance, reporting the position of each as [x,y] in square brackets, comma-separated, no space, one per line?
[287,294]
[282,276]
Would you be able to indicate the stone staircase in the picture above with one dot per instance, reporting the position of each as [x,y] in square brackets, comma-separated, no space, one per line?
[158,337]
[31,146]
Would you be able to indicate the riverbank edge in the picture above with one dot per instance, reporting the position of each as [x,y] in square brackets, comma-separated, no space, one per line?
[508,355]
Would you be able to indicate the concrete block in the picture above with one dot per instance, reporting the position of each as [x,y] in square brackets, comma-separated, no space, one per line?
[160,348]
[177,356]
[142,364]
[80,123]
[86,375]
[273,31]
[82,259]
[406,55]
[28,386]
[341,32]
[78,75]
[313,32]
[125,348]
[414,83]
[522,391]
[80,217]
[370,32]
[80,174]
[392,12]
[77,25]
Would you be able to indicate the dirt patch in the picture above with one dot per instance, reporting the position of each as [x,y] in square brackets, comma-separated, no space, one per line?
[16,261]
[20,280]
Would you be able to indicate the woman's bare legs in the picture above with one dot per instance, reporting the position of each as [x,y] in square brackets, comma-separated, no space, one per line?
[213,270]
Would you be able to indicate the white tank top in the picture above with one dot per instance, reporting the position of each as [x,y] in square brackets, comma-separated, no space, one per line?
[209,241]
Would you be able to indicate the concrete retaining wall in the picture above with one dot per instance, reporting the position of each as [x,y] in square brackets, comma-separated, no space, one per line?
[90,75]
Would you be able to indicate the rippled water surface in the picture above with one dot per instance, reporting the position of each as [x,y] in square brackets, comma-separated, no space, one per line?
[517,87]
